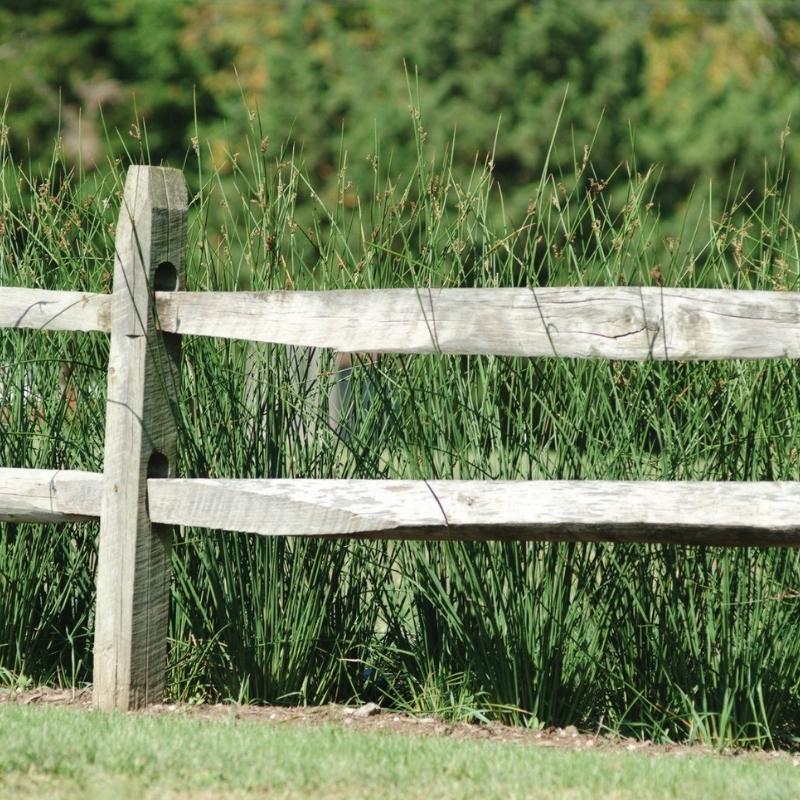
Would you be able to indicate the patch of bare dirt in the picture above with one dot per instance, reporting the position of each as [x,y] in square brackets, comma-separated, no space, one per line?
[372,718]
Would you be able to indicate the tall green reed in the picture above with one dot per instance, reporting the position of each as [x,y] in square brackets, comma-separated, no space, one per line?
[668,642]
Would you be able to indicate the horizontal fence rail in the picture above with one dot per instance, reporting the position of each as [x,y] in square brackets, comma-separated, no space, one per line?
[621,323]
[690,512]
[139,497]
[624,323]
[49,495]
[47,310]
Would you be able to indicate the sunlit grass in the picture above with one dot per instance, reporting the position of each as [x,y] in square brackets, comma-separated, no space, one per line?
[63,753]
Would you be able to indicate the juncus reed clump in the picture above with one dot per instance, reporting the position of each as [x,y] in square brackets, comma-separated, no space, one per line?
[667,642]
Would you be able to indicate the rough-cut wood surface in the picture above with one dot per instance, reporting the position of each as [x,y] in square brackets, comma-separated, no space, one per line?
[679,512]
[686,512]
[49,495]
[626,323]
[607,322]
[143,373]
[758,514]
[46,310]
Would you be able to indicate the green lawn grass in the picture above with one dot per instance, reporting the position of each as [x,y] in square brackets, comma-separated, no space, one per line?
[61,753]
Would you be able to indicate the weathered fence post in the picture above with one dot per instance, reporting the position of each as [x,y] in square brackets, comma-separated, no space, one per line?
[141,436]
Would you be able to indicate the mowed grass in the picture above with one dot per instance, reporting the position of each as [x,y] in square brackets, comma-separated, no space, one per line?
[63,753]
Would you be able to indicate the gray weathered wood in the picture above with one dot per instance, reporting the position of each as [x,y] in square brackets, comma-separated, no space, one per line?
[49,495]
[680,512]
[626,323]
[143,373]
[46,310]
[724,513]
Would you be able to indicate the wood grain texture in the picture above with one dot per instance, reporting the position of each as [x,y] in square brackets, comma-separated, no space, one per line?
[625,323]
[680,512]
[720,513]
[49,495]
[46,310]
[143,374]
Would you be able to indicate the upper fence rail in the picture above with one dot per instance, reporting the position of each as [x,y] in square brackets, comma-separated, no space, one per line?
[621,323]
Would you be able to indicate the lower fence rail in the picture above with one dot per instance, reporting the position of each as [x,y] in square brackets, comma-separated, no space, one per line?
[759,514]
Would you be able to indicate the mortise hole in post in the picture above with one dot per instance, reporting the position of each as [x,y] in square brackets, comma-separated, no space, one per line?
[165,278]
[158,466]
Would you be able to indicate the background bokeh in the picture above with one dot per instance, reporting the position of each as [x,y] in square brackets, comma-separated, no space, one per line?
[703,90]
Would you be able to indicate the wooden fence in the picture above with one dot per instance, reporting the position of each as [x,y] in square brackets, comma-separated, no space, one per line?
[139,497]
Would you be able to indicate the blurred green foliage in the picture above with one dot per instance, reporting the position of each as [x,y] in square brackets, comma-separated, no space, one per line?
[703,88]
